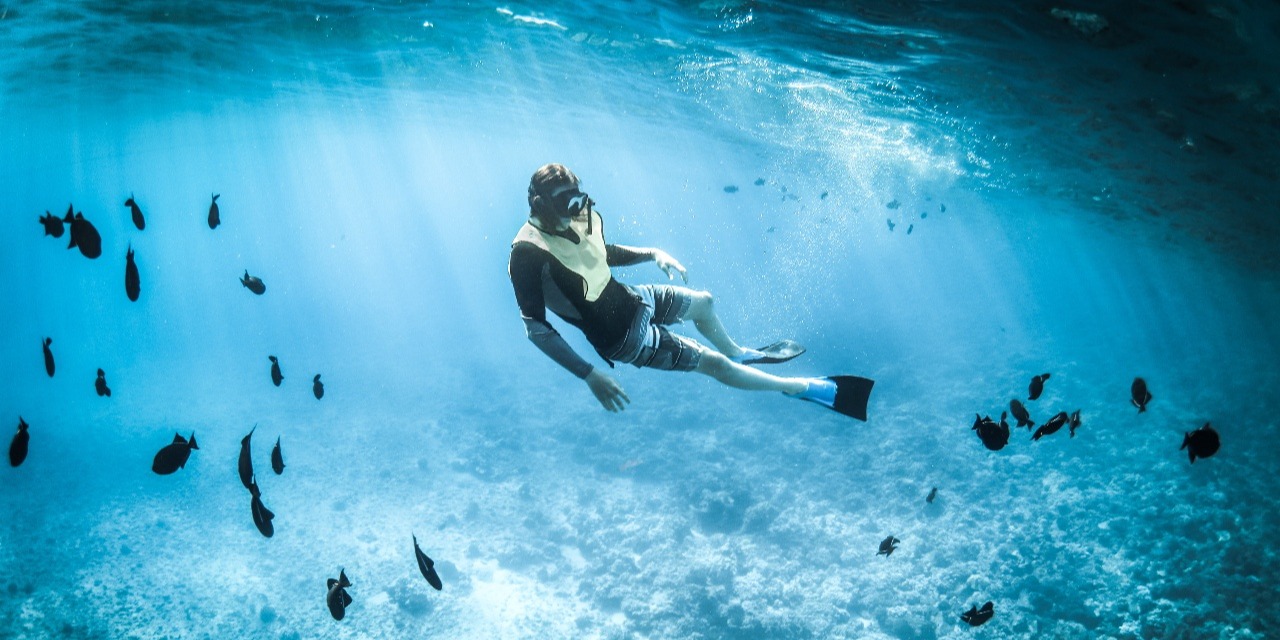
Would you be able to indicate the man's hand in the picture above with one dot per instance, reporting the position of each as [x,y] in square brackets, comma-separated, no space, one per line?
[667,263]
[607,390]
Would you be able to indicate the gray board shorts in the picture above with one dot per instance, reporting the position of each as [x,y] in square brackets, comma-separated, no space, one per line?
[648,343]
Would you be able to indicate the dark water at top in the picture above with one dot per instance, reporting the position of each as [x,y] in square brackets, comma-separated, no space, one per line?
[1086,189]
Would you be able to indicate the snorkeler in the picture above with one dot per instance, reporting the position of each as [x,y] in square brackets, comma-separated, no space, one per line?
[560,261]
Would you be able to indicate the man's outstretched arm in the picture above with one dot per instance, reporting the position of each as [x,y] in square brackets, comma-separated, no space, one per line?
[619,255]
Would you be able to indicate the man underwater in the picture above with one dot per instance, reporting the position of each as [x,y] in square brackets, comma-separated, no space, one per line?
[560,261]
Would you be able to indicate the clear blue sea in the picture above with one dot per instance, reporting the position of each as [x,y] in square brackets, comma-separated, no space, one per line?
[1091,196]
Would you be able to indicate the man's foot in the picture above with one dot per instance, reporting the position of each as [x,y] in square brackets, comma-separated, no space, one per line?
[820,390]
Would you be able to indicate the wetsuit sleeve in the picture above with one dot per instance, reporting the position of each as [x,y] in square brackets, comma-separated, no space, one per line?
[618,255]
[527,263]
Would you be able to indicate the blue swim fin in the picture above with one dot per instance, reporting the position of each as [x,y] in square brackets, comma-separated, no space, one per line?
[843,394]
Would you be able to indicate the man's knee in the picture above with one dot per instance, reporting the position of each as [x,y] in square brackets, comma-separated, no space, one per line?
[703,305]
[714,364]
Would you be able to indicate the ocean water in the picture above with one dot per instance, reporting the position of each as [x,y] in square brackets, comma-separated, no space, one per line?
[1067,197]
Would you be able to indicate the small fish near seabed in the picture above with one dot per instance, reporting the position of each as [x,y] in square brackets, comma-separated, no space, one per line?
[338,599]
[932,495]
[1201,443]
[977,617]
[891,223]
[245,464]
[276,376]
[100,385]
[317,387]
[1037,386]
[994,436]
[1020,414]
[215,216]
[888,546]
[1139,395]
[132,284]
[48,357]
[426,566]
[174,456]
[262,516]
[1051,426]
[84,235]
[18,448]
[52,225]
[253,283]
[1074,422]
[136,211]
[277,460]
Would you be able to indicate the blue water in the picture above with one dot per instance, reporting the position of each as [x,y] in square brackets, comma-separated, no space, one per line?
[1095,206]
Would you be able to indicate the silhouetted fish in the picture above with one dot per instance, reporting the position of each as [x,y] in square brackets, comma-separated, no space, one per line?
[83,235]
[887,546]
[976,617]
[338,599]
[276,376]
[893,204]
[1020,414]
[317,387]
[1139,395]
[245,465]
[1074,422]
[994,436]
[910,228]
[52,224]
[138,220]
[253,283]
[215,218]
[1201,443]
[18,448]
[277,460]
[262,516]
[1037,386]
[174,455]
[132,286]
[932,494]
[891,223]
[100,385]
[48,357]
[426,566]
[1051,426]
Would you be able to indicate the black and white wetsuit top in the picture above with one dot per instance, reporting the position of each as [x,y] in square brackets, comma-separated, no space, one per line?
[555,271]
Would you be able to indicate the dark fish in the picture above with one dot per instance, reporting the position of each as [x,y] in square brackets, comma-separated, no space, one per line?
[245,465]
[910,228]
[215,217]
[893,204]
[1201,443]
[276,376]
[174,455]
[132,286]
[1074,422]
[1037,386]
[994,436]
[891,223]
[731,189]
[84,235]
[101,384]
[253,283]
[1020,414]
[1139,395]
[48,357]
[317,387]
[976,617]
[924,214]
[277,460]
[52,225]
[942,208]
[18,448]
[932,494]
[1051,427]
[759,182]
[426,566]
[338,599]
[138,220]
[887,546]
[262,516]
